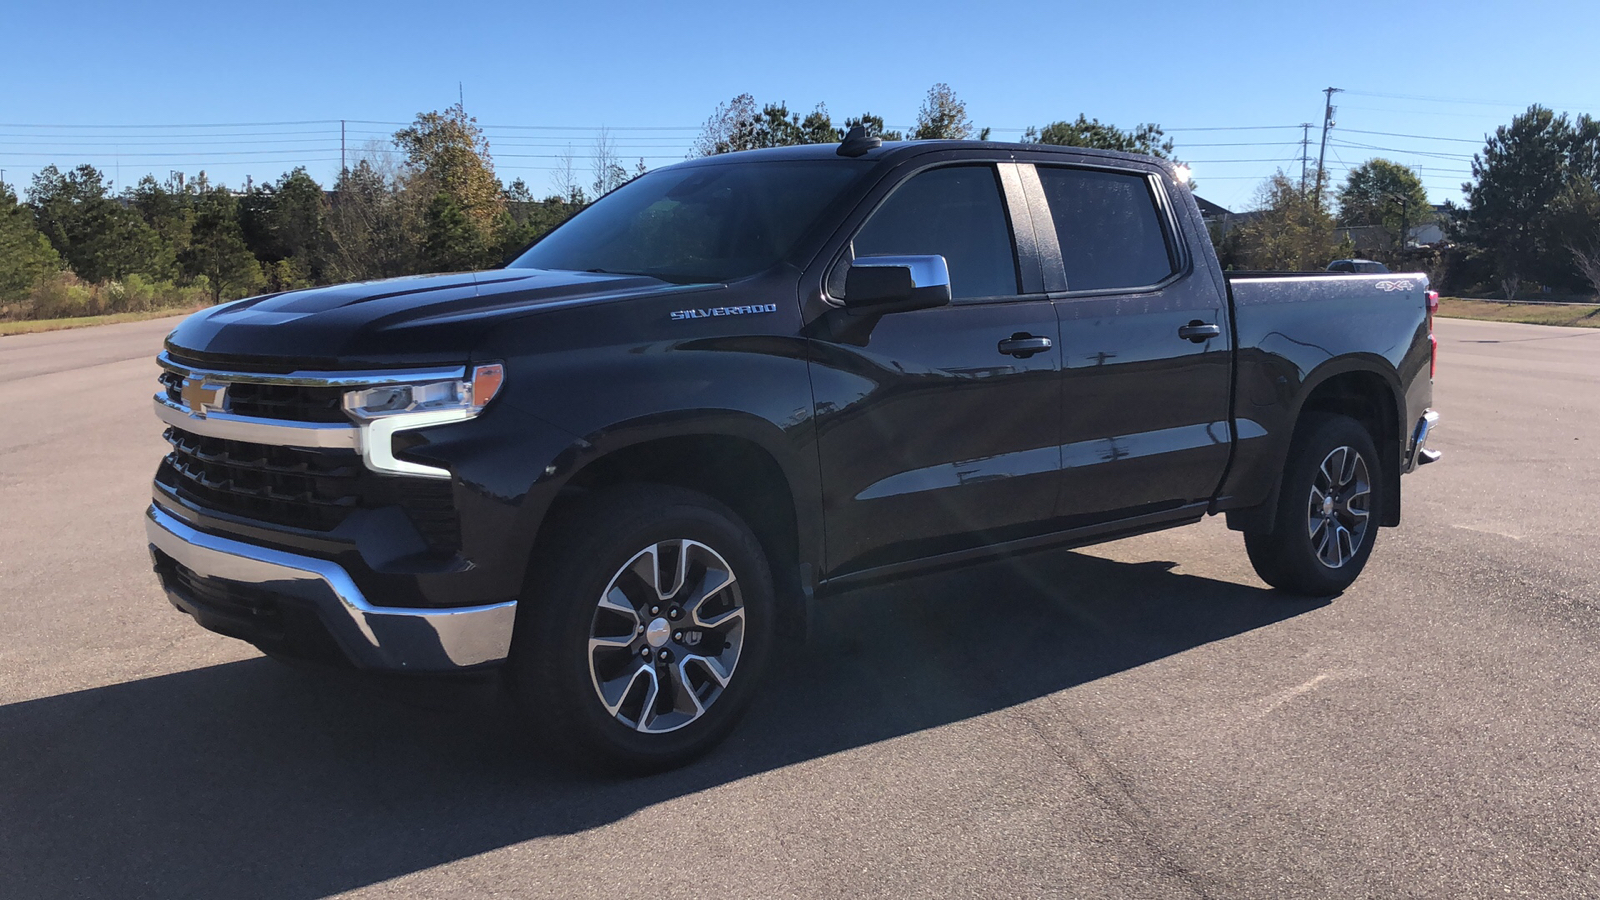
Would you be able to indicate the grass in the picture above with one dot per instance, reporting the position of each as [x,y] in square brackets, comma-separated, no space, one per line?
[32,326]
[1583,316]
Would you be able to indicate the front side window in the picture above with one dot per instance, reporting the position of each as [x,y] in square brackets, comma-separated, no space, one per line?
[698,224]
[1109,228]
[954,212]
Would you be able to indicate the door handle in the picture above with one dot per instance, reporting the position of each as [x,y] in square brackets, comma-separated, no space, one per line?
[1023,345]
[1199,331]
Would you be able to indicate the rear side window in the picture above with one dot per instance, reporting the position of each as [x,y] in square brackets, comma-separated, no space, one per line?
[1109,229]
[954,212]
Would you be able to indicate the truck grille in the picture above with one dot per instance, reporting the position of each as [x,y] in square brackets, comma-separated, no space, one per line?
[285,402]
[296,403]
[299,487]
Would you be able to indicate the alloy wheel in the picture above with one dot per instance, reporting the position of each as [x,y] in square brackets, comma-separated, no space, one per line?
[1338,511]
[666,636]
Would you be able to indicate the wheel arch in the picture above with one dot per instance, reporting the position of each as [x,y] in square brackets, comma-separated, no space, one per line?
[1364,387]
[736,459]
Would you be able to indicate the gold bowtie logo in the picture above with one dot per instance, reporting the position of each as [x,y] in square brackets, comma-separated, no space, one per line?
[202,397]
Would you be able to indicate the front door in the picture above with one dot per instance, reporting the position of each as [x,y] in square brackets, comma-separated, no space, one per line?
[938,431]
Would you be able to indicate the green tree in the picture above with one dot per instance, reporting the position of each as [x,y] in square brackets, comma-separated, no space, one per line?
[98,237]
[1092,133]
[1576,219]
[1523,169]
[285,226]
[740,125]
[446,152]
[25,255]
[943,116]
[167,208]
[217,251]
[1290,231]
[374,226]
[1387,195]
[451,241]
[874,126]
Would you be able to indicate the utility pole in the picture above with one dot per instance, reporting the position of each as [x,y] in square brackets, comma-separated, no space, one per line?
[1305,154]
[342,167]
[1327,122]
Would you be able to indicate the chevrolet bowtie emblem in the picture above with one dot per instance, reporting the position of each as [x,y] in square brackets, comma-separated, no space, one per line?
[202,397]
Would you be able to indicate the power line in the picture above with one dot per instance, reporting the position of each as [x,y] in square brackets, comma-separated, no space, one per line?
[1238,128]
[1429,153]
[1250,144]
[1455,100]
[1420,137]
[255,153]
[211,125]
[135,137]
[1217,161]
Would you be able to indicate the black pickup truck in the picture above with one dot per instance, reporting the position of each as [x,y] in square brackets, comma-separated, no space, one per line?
[622,467]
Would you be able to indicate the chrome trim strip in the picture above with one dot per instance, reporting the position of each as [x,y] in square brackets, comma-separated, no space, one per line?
[926,271]
[374,637]
[259,431]
[1418,453]
[376,440]
[316,379]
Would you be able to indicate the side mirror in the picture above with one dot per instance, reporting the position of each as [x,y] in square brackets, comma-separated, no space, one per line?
[875,285]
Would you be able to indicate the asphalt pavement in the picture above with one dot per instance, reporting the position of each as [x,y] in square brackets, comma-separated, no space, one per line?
[1140,719]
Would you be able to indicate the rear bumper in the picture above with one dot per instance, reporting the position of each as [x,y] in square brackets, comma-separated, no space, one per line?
[299,603]
[1418,453]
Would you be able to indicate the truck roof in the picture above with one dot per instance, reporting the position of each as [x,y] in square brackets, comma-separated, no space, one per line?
[894,151]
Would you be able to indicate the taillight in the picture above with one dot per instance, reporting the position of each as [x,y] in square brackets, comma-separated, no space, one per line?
[1433,342]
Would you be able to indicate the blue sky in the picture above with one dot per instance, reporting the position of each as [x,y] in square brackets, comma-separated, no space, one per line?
[1446,73]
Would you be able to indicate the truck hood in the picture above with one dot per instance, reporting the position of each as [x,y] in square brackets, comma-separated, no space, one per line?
[418,320]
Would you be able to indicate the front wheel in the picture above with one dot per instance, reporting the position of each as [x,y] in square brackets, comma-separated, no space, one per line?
[644,629]
[1329,507]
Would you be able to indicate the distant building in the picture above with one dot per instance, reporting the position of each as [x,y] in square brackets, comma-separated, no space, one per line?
[1212,214]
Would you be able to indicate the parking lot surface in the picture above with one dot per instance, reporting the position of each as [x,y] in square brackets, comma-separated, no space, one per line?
[1139,719]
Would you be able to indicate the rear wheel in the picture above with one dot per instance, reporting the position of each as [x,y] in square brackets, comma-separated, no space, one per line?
[1328,510]
[644,629]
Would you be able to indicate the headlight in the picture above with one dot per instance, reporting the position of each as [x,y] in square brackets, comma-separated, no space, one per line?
[381,411]
[401,399]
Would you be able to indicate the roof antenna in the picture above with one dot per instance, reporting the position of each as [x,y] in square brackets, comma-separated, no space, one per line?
[858,142]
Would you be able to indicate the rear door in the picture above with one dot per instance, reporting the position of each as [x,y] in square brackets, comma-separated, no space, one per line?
[1145,346]
[935,433]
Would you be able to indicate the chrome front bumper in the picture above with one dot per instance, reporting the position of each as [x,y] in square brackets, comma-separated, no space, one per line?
[1418,453]
[373,637]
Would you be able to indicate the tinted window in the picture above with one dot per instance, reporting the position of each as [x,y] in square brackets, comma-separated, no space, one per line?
[953,212]
[697,223]
[1109,228]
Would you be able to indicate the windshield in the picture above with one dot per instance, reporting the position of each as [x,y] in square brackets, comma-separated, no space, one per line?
[697,224]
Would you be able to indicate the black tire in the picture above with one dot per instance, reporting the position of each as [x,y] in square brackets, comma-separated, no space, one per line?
[555,672]
[1293,556]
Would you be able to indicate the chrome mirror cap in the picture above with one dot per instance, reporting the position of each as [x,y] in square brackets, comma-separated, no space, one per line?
[875,285]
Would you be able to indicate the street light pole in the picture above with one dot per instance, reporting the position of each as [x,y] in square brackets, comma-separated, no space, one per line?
[1405,218]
